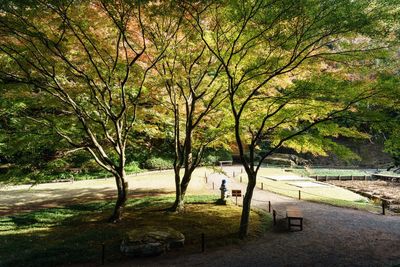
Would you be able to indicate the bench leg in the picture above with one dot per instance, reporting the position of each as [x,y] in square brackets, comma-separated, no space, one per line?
[290,224]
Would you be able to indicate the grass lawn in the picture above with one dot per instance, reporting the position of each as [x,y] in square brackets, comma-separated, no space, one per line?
[330,194]
[73,234]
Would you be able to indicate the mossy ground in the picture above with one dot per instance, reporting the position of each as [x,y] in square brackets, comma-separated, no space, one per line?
[73,234]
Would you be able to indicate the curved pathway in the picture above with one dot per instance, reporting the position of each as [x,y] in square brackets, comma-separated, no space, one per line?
[332,236]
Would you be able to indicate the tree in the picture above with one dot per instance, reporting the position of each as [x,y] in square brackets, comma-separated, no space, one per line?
[273,55]
[93,58]
[190,75]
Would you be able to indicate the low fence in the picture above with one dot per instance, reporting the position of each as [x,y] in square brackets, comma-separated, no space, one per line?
[386,177]
[343,177]
[372,177]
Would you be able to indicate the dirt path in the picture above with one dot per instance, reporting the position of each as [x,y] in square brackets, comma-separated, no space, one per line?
[332,236]
[21,198]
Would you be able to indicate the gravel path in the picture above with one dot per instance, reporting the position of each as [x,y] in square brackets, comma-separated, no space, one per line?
[332,236]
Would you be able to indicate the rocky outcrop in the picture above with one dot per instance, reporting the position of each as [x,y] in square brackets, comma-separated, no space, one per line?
[151,241]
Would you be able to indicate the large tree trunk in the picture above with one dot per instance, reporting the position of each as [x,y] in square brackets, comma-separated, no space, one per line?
[122,187]
[244,220]
[181,188]
[179,204]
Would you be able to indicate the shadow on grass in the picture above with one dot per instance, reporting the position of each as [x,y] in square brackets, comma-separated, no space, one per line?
[24,201]
[75,233]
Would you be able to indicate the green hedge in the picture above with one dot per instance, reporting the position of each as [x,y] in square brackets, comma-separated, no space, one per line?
[158,163]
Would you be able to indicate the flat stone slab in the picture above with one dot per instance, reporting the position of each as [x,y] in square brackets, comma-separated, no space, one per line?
[286,177]
[303,184]
[151,241]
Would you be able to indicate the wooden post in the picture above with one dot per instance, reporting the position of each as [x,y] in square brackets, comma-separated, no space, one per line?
[274,216]
[203,242]
[103,249]
[269,206]
[383,207]
[316,178]
[262,186]
[299,194]
[206,180]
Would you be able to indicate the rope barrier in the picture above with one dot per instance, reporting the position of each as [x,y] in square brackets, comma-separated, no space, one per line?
[285,189]
[254,199]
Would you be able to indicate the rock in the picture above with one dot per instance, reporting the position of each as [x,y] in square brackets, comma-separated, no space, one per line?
[142,249]
[151,241]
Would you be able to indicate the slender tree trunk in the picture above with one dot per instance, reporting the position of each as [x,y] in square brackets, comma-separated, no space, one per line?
[178,195]
[122,187]
[244,220]
[179,203]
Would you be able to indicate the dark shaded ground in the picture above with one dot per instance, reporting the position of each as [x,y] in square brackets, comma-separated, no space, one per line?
[332,236]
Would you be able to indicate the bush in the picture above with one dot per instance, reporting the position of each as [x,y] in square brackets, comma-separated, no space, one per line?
[132,167]
[90,166]
[158,163]
[57,166]
[212,157]
[210,160]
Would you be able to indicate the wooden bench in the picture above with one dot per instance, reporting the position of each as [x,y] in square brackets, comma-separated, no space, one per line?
[294,214]
[227,162]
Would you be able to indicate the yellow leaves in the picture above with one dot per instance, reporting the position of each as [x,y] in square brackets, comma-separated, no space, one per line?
[306,144]
[335,130]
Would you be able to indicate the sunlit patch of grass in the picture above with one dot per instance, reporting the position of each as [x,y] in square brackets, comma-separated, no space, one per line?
[330,195]
[75,233]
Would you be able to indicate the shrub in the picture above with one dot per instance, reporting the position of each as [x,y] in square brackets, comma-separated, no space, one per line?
[132,167]
[212,157]
[158,163]
[57,166]
[210,160]
[90,166]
